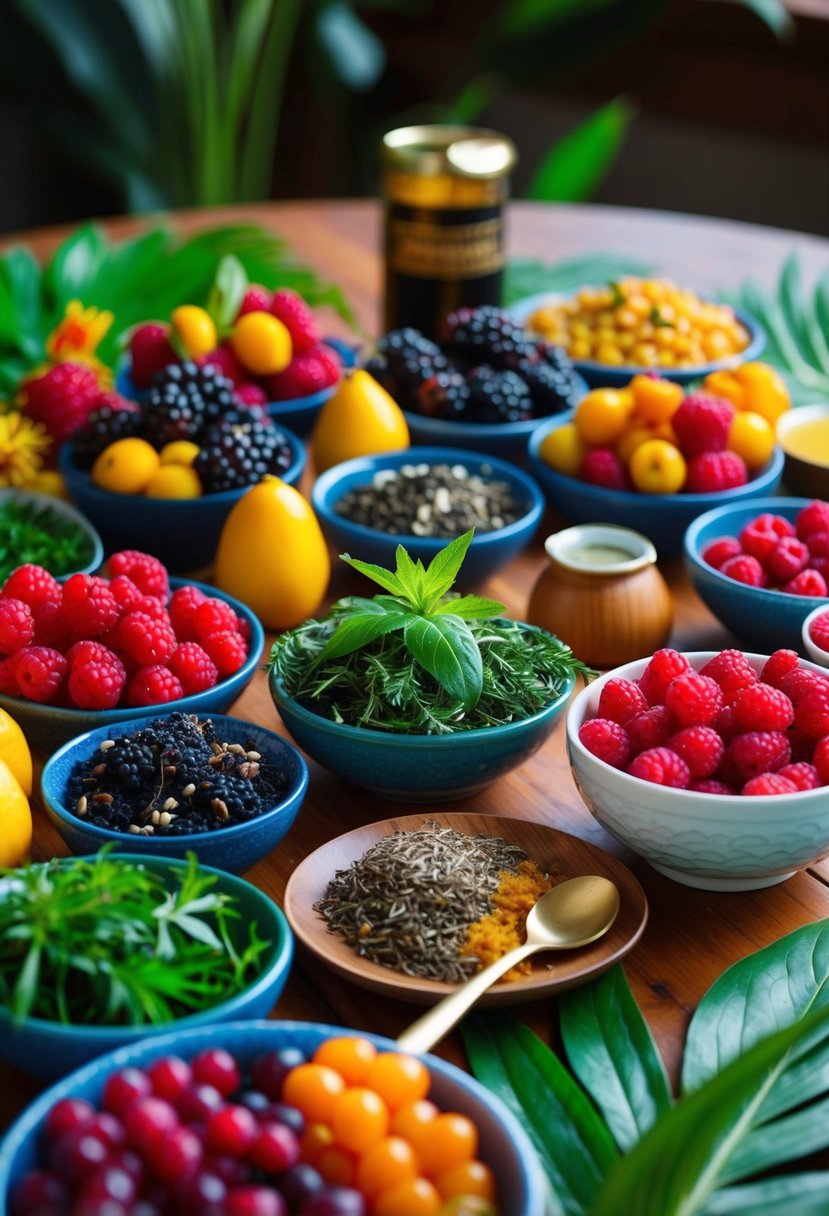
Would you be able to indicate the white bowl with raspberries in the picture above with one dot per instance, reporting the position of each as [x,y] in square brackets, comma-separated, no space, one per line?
[712,765]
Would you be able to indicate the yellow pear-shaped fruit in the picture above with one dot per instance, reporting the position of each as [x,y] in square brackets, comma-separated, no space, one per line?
[272,555]
[361,419]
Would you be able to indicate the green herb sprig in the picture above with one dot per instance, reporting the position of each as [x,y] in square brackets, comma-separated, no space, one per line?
[30,533]
[107,942]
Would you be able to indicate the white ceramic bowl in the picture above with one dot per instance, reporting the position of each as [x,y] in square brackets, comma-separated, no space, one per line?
[714,841]
[815,652]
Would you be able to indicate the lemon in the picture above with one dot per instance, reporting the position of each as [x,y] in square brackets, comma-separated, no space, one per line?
[15,819]
[181,451]
[261,343]
[361,419]
[14,750]
[126,466]
[174,481]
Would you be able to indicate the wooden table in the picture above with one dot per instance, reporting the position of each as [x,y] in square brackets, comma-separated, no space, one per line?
[692,936]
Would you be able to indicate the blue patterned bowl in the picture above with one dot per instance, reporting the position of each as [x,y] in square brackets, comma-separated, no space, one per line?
[50,1049]
[504,1145]
[234,848]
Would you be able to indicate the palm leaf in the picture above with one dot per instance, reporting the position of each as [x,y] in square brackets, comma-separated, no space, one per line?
[578,162]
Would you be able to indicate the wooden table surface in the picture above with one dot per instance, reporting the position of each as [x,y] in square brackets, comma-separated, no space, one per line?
[692,936]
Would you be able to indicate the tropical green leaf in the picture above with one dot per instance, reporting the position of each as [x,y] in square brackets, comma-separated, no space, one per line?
[444,566]
[792,1195]
[377,574]
[611,1051]
[446,648]
[227,292]
[412,577]
[528,277]
[470,608]
[75,265]
[535,17]
[576,164]
[360,629]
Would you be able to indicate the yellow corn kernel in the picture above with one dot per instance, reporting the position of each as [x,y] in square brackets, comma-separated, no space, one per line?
[610,354]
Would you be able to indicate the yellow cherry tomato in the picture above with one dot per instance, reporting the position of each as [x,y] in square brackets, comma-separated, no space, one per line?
[601,416]
[655,399]
[181,451]
[174,481]
[765,390]
[563,449]
[195,329]
[753,438]
[657,467]
[261,343]
[126,466]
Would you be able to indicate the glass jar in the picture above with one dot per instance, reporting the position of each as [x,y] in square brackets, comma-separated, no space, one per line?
[444,191]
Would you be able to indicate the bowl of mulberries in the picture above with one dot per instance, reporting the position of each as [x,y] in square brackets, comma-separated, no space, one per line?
[218,786]
[163,475]
[482,385]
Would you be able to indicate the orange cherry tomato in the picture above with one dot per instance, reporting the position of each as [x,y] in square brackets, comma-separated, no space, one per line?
[317,1136]
[398,1079]
[468,1178]
[414,1198]
[359,1119]
[350,1057]
[411,1121]
[337,1167]
[449,1140]
[313,1089]
[385,1165]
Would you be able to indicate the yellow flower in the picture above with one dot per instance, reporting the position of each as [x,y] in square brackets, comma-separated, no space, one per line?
[22,443]
[78,335]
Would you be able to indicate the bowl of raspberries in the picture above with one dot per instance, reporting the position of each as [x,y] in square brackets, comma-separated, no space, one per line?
[761,566]
[483,385]
[164,474]
[98,649]
[714,766]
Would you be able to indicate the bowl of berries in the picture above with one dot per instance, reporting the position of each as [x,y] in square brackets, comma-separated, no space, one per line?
[485,385]
[163,475]
[216,1117]
[761,566]
[714,766]
[97,649]
[815,634]
[651,458]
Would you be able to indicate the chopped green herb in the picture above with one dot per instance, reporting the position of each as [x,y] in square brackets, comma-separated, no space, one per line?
[658,321]
[618,297]
[30,533]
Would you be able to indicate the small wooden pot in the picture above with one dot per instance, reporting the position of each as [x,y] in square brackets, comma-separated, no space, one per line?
[603,595]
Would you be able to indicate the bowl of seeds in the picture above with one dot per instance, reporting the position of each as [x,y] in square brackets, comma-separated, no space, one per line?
[220,787]
[422,497]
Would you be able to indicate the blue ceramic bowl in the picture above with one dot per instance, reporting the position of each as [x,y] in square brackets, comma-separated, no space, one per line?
[418,768]
[504,1145]
[182,532]
[488,550]
[600,375]
[763,620]
[235,848]
[663,518]
[65,511]
[48,726]
[49,1049]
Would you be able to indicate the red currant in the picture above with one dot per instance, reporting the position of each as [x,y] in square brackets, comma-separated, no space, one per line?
[275,1148]
[255,1201]
[232,1130]
[269,1071]
[124,1087]
[147,1120]
[66,1115]
[217,1067]
[177,1154]
[170,1077]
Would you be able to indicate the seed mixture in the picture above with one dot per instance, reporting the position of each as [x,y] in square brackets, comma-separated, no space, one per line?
[408,903]
[431,500]
[172,778]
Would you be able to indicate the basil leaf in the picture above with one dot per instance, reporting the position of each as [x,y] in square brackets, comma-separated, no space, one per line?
[470,608]
[447,649]
[227,292]
[376,573]
[358,630]
[803,1194]
[444,566]
[575,1147]
[611,1051]
[411,576]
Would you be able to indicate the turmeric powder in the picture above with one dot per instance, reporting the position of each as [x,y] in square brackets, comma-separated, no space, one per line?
[503,928]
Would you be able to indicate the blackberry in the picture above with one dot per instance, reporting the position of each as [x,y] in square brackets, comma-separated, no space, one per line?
[410,359]
[238,454]
[103,427]
[498,396]
[131,764]
[552,389]
[555,356]
[445,395]
[487,335]
[185,402]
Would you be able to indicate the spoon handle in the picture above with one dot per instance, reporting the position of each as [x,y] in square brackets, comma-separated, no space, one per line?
[439,1020]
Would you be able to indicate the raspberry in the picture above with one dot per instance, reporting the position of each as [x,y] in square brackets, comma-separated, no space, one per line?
[804,776]
[808,582]
[150,351]
[763,533]
[304,375]
[213,616]
[50,626]
[182,611]
[40,673]
[778,665]
[702,423]
[788,557]
[812,518]
[723,723]
[256,299]
[602,467]
[194,668]
[710,786]
[757,752]
[251,396]
[225,363]
[145,639]
[664,666]
[715,471]
[693,699]
[331,362]
[745,569]
[148,574]
[88,652]
[8,676]
[768,783]
[762,707]
[820,759]
[227,650]
[126,594]
[152,607]
[797,683]
[297,318]
[648,729]
[621,700]
[606,740]
[154,685]
[819,630]
[17,625]
[662,767]
[89,607]
[821,565]
[818,544]
[61,399]
[98,683]
[33,585]
[732,671]
[700,747]
[719,551]
[811,713]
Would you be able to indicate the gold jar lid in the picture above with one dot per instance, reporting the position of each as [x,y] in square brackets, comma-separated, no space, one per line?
[430,151]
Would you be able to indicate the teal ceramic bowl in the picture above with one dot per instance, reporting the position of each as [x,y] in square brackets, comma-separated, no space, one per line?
[49,1049]
[504,1144]
[418,768]
[663,518]
[763,620]
[48,726]
[64,510]
[234,848]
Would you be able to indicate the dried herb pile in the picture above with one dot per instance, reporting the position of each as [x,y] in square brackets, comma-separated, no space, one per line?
[30,533]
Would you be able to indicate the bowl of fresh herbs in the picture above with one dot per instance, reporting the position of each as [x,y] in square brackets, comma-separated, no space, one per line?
[419,694]
[45,532]
[98,952]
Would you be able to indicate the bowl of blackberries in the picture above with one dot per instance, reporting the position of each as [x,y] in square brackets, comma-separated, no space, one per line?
[163,475]
[484,384]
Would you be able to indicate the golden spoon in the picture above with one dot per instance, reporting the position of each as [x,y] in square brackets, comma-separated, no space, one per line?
[569,915]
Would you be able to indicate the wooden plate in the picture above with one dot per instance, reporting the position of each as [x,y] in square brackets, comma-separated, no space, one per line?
[559,853]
